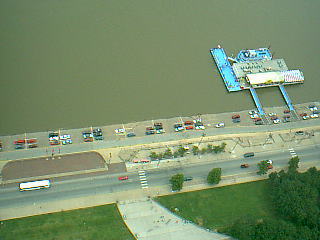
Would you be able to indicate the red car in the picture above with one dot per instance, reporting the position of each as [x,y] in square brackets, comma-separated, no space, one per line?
[189,127]
[19,141]
[187,123]
[32,140]
[286,111]
[303,114]
[245,165]
[123,178]
[257,119]
[234,116]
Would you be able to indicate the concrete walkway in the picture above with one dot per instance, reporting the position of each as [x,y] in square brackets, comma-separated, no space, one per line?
[147,220]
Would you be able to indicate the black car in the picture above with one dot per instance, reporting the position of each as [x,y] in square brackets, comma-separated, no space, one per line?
[188,179]
[53,134]
[236,120]
[131,134]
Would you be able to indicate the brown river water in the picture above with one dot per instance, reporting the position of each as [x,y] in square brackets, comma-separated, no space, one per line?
[77,63]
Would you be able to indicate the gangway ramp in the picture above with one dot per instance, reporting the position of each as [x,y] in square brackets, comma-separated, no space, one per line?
[286,97]
[257,101]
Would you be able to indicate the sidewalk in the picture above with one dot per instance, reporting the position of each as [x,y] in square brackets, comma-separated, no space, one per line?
[148,220]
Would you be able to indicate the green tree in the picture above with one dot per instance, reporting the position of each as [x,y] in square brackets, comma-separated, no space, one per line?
[214,176]
[177,182]
[195,150]
[293,164]
[153,156]
[203,150]
[263,167]
[223,146]
[209,148]
[168,153]
[181,151]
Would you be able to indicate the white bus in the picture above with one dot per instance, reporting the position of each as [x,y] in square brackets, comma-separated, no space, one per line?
[27,186]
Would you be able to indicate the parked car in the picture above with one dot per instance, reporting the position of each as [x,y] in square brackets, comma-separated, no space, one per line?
[220,125]
[258,123]
[236,120]
[187,123]
[254,116]
[189,127]
[305,117]
[199,126]
[276,121]
[274,117]
[178,127]
[150,131]
[314,115]
[234,116]
[316,112]
[257,119]
[245,165]
[299,132]
[286,111]
[253,112]
[97,134]
[303,114]
[249,154]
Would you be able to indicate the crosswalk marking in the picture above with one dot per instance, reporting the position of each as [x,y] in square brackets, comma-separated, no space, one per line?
[143,179]
[292,152]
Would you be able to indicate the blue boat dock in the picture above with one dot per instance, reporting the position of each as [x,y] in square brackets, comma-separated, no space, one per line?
[225,69]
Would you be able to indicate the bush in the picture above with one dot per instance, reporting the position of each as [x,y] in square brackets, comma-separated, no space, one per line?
[214,176]
[195,150]
[177,182]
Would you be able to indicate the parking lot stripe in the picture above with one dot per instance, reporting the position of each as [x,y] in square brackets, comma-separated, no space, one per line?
[145,187]
[145,181]
[142,171]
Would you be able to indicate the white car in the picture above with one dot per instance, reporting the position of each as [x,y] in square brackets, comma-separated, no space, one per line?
[254,116]
[65,137]
[276,121]
[200,127]
[253,112]
[271,114]
[305,117]
[219,125]
[314,115]
[269,162]
[313,108]
[120,131]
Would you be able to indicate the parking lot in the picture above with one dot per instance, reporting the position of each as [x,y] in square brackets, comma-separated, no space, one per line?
[274,115]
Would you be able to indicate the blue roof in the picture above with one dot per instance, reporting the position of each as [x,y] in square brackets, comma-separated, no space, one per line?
[226,70]
[254,55]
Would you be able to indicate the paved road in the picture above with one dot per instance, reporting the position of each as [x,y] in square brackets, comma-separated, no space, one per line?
[68,189]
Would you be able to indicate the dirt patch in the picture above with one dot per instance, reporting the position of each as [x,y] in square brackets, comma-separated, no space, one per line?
[48,165]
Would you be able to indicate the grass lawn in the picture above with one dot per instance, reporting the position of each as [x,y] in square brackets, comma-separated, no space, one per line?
[218,207]
[96,223]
